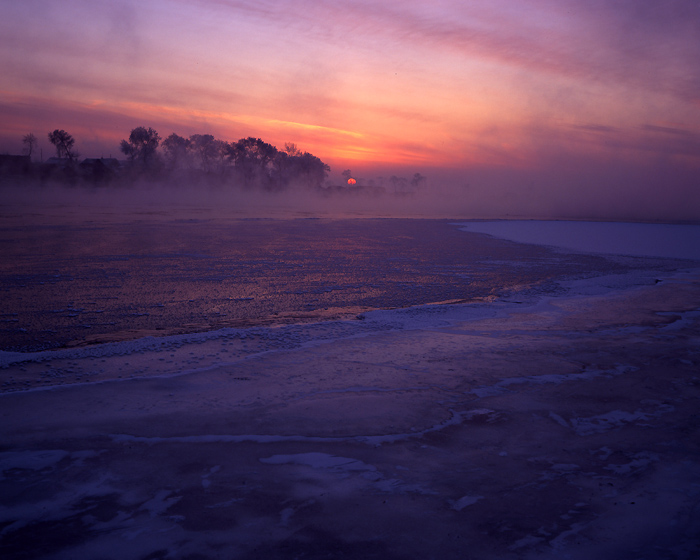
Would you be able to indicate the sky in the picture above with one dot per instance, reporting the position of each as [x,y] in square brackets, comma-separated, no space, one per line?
[547,107]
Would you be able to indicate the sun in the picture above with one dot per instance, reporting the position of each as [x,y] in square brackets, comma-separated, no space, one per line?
[351,181]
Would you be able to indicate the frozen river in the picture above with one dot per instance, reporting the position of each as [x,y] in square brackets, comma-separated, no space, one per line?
[299,388]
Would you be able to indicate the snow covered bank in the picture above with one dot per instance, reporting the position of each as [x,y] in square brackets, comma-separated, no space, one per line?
[612,238]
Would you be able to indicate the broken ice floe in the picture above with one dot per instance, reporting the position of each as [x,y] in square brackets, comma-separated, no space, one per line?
[465,501]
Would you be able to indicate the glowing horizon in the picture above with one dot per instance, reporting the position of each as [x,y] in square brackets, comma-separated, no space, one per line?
[395,85]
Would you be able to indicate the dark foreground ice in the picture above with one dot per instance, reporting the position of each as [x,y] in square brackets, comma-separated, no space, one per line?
[523,423]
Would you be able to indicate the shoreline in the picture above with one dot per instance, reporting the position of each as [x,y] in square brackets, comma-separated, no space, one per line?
[23,371]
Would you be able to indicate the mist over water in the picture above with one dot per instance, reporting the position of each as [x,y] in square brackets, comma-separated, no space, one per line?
[569,188]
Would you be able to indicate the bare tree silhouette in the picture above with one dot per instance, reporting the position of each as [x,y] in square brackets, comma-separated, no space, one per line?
[30,142]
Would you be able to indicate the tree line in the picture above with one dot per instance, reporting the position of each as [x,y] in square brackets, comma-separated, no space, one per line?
[198,159]
[248,162]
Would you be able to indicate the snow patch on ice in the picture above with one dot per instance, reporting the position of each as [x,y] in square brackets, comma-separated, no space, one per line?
[639,462]
[556,378]
[319,461]
[465,501]
[683,320]
[616,419]
[160,503]
[30,460]
[558,419]
[344,467]
[455,419]
[528,541]
[55,507]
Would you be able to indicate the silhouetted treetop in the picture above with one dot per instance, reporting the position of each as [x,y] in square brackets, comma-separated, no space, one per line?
[141,146]
[207,151]
[291,149]
[177,151]
[63,143]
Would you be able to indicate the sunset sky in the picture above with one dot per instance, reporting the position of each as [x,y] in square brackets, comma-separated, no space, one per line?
[597,102]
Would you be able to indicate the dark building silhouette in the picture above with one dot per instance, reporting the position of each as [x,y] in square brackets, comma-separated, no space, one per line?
[99,169]
[15,166]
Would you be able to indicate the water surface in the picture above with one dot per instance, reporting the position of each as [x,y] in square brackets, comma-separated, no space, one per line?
[65,284]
